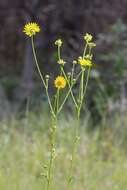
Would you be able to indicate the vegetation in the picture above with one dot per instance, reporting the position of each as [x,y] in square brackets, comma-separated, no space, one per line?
[101,156]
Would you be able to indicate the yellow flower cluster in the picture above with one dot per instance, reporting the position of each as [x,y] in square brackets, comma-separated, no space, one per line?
[30,29]
[84,62]
[60,82]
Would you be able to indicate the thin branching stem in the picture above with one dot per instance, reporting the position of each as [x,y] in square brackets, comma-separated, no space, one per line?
[36,61]
[62,104]
[63,72]
[72,72]
[54,116]
[86,84]
[57,103]
[62,69]
[85,49]
[59,53]
[41,76]
[68,93]
[82,89]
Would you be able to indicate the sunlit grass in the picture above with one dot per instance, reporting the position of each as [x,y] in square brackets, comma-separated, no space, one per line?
[101,162]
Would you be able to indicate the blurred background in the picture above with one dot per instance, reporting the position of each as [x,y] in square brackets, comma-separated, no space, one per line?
[24,114]
[69,20]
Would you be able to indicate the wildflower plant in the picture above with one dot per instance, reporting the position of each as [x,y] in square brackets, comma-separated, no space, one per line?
[55,105]
[85,62]
[56,102]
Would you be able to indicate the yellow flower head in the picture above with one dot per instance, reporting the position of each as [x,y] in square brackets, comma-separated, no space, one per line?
[84,62]
[60,82]
[58,42]
[31,28]
[61,62]
[88,37]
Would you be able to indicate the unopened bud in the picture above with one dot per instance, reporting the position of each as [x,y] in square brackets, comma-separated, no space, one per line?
[74,62]
[47,77]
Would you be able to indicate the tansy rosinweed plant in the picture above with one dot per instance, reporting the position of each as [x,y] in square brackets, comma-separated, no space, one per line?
[56,102]
[85,63]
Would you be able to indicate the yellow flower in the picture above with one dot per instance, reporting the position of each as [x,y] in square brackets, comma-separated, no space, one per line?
[84,62]
[60,82]
[31,28]
[58,42]
[61,62]
[88,37]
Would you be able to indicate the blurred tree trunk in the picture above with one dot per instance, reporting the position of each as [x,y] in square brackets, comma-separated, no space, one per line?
[27,82]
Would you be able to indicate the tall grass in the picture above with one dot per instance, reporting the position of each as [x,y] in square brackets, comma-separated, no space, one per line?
[24,152]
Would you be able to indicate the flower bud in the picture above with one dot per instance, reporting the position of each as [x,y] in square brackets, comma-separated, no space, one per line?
[47,77]
[74,62]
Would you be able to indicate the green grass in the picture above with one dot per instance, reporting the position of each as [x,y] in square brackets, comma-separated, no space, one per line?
[101,162]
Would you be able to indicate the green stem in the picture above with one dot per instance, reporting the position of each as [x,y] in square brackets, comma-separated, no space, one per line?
[58,96]
[86,84]
[52,153]
[40,74]
[84,52]
[55,102]
[90,50]
[72,72]
[81,90]
[78,111]
[74,148]
[82,82]
[59,54]
[68,93]
[69,87]
[62,71]
[78,75]
[53,134]
[49,102]
[62,104]
[36,61]
[81,87]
